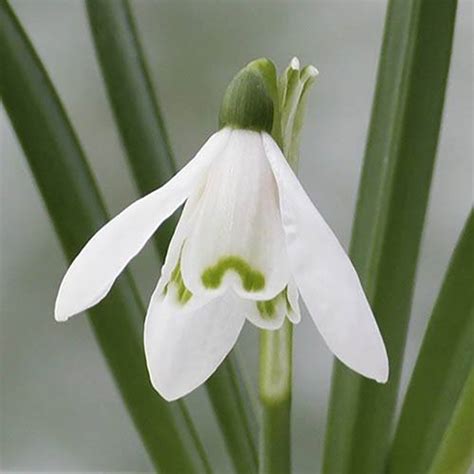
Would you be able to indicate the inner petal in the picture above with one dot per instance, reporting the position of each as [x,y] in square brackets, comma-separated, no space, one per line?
[251,279]
[171,283]
[270,314]
[237,239]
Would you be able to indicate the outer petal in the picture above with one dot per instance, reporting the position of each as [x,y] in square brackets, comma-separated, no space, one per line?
[93,272]
[237,240]
[326,278]
[183,349]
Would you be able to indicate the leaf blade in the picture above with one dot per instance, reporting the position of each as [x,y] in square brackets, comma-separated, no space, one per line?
[77,211]
[456,452]
[445,360]
[134,104]
[393,195]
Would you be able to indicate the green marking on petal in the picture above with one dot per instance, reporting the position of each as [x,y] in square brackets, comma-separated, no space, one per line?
[182,293]
[252,280]
[267,308]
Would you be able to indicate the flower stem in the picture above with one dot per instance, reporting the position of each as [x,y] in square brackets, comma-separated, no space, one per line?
[290,93]
[275,397]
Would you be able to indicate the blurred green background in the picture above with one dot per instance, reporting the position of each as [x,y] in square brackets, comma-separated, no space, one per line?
[59,408]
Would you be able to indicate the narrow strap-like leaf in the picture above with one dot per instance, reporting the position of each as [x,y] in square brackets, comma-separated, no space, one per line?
[135,106]
[456,452]
[230,400]
[149,154]
[77,211]
[393,195]
[446,358]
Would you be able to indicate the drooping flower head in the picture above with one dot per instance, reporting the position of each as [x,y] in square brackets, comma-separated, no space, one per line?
[248,243]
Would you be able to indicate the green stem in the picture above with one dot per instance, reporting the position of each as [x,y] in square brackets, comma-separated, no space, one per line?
[149,155]
[290,93]
[275,397]
[77,211]
[445,360]
[393,196]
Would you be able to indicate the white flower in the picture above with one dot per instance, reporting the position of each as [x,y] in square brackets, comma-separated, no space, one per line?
[249,241]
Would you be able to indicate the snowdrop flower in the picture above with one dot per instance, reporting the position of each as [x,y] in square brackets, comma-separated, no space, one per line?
[248,243]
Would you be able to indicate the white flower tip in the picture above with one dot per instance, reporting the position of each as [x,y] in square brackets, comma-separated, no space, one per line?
[167,389]
[68,303]
[375,371]
[384,373]
[60,318]
[60,313]
[312,71]
[294,317]
[295,64]
[382,380]
[380,372]
[169,396]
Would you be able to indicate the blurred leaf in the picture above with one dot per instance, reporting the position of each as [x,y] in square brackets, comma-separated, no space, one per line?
[446,358]
[456,451]
[77,211]
[230,399]
[143,133]
[135,106]
[393,195]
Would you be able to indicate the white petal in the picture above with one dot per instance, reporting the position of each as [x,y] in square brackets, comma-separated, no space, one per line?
[170,284]
[183,349]
[237,236]
[293,296]
[93,272]
[326,278]
[182,230]
[265,317]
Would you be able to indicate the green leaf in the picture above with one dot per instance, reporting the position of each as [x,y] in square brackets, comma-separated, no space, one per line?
[148,151]
[444,363]
[133,101]
[229,397]
[77,212]
[393,195]
[456,452]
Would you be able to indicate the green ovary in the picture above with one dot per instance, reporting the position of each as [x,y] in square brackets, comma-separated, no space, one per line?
[252,280]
